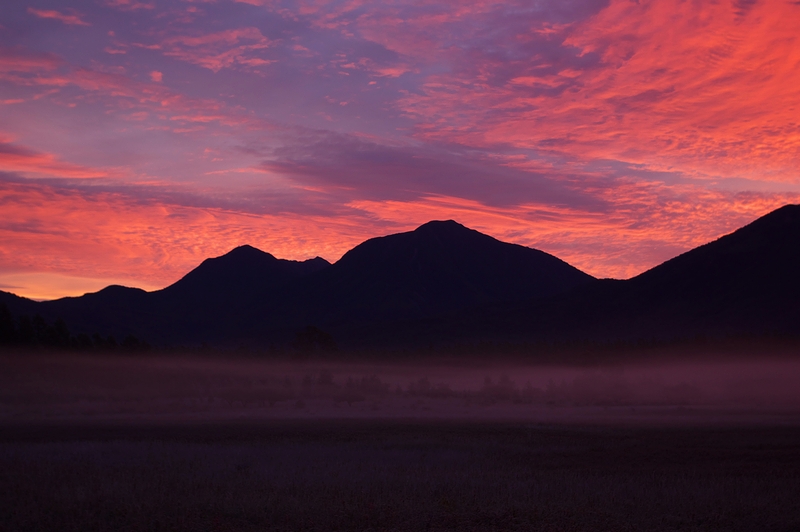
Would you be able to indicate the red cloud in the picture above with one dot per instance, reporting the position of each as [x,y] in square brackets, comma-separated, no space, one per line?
[27,69]
[216,51]
[72,20]
[704,88]
[19,61]
[104,235]
[14,158]
[129,5]
[643,228]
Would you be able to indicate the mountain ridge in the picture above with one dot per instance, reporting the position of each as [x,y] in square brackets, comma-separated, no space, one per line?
[445,282]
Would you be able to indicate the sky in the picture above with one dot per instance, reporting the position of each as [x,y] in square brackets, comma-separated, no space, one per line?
[139,137]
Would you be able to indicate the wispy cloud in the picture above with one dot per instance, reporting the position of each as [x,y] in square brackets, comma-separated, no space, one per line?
[215,51]
[18,60]
[130,5]
[15,158]
[71,19]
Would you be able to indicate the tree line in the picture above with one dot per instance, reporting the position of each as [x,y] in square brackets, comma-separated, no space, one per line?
[34,332]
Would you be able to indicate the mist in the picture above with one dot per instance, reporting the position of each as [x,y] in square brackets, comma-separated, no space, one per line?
[58,388]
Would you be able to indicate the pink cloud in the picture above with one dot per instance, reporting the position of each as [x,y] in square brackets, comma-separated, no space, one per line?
[710,92]
[15,158]
[97,234]
[129,5]
[644,228]
[582,128]
[22,61]
[103,235]
[215,51]
[42,70]
[72,20]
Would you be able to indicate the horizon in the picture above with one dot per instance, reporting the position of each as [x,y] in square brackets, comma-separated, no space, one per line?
[139,138]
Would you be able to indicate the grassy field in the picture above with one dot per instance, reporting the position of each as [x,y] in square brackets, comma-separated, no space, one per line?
[411,475]
[197,444]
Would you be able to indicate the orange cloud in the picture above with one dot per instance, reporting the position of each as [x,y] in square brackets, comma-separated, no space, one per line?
[72,20]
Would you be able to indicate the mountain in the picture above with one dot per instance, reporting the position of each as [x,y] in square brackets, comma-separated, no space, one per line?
[445,283]
[747,280]
[244,272]
[222,295]
[249,296]
[209,304]
[746,283]
[440,267]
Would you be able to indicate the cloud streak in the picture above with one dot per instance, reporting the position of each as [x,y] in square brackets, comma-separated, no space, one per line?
[71,20]
[215,51]
[17,158]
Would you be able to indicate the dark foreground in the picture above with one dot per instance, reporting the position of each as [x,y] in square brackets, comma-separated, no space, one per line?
[398,475]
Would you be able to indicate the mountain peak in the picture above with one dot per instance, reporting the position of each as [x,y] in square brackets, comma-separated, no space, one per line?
[439,267]
[246,251]
[438,224]
[442,227]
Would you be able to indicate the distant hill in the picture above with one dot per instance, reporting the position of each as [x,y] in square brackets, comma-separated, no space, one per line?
[445,283]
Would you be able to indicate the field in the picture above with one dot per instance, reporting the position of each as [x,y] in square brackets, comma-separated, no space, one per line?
[207,444]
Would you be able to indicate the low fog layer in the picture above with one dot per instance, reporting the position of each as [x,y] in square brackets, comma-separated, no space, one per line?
[39,388]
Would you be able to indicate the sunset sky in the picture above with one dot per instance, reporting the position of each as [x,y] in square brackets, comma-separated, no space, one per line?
[138,137]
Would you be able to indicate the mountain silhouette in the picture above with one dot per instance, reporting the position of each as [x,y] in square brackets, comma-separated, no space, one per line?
[440,267]
[212,303]
[224,293]
[240,273]
[747,280]
[446,283]
[742,284]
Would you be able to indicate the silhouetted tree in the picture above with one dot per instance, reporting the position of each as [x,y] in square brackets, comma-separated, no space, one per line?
[82,342]
[59,334]
[108,343]
[25,332]
[313,339]
[131,343]
[39,329]
[111,343]
[8,332]
[98,341]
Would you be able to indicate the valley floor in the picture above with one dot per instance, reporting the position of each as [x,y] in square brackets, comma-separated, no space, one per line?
[398,475]
[208,445]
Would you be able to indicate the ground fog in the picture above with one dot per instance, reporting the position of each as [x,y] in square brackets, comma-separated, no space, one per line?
[36,388]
